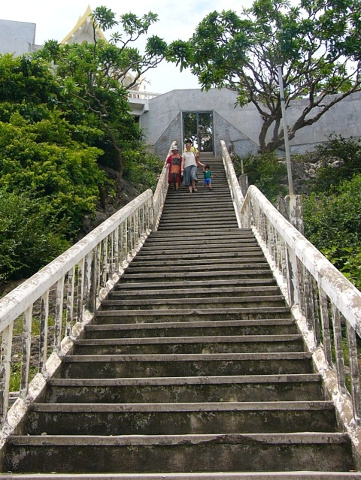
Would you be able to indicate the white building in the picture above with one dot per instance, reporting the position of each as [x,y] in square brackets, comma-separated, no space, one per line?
[17,37]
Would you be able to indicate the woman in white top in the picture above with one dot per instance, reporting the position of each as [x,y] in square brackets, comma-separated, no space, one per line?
[190,164]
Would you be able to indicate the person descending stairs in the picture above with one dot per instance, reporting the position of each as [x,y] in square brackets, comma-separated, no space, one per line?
[193,368]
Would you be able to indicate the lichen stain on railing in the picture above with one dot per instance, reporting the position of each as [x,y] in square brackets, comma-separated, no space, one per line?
[326,305]
[40,318]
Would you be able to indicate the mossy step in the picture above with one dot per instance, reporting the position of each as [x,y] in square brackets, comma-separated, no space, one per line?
[179,453]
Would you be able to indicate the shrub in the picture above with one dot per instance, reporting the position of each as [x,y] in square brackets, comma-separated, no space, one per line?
[27,240]
[333,225]
[266,172]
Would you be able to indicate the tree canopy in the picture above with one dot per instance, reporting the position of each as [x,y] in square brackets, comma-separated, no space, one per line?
[96,77]
[65,120]
[317,43]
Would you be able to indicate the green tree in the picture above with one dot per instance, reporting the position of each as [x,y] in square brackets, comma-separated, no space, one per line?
[96,79]
[43,160]
[316,43]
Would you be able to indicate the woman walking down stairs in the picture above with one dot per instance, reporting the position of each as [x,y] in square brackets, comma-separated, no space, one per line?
[193,369]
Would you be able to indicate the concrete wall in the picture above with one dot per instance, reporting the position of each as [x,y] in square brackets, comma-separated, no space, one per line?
[240,127]
[17,37]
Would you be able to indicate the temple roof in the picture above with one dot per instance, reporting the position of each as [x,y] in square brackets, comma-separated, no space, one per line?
[83,30]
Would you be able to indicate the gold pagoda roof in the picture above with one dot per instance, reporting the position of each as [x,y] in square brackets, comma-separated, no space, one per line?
[83,30]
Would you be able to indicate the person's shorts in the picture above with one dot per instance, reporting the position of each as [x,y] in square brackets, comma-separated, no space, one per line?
[206,181]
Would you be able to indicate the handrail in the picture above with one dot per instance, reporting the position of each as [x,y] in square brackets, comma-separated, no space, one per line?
[234,186]
[64,296]
[160,194]
[67,291]
[326,305]
[142,95]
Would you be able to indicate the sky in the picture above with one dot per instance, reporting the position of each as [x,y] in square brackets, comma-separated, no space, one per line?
[176,20]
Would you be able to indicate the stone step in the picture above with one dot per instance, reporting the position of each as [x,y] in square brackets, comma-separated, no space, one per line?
[213,232]
[191,327]
[179,453]
[244,283]
[169,274]
[193,224]
[174,315]
[239,388]
[206,267]
[188,210]
[181,418]
[199,292]
[232,301]
[216,327]
[222,216]
[189,248]
[225,236]
[203,195]
[160,365]
[216,206]
[192,344]
[215,254]
[243,246]
[317,475]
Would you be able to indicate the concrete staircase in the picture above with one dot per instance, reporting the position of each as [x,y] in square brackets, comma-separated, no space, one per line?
[193,369]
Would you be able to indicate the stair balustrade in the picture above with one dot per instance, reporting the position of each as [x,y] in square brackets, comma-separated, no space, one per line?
[66,293]
[325,303]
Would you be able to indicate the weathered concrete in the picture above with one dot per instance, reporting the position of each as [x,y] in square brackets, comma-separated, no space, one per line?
[240,127]
[213,386]
[17,37]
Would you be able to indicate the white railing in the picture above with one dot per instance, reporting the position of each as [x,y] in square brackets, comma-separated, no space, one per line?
[236,192]
[47,311]
[142,95]
[325,304]
[160,194]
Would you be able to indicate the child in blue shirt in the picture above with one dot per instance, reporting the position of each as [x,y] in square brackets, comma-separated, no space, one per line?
[207,177]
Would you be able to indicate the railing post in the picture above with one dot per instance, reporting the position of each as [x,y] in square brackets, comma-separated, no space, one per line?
[59,303]
[26,353]
[325,323]
[5,368]
[340,364]
[354,371]
[44,320]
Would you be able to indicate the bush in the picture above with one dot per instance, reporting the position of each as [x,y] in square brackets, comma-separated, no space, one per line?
[348,155]
[142,169]
[333,225]
[64,174]
[27,240]
[266,172]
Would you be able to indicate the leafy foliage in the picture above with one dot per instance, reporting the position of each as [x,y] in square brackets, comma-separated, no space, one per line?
[265,171]
[96,77]
[333,225]
[347,154]
[27,242]
[65,121]
[142,169]
[62,172]
[316,43]
[332,211]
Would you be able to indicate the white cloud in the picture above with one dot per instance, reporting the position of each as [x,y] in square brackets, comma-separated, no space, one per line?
[176,20]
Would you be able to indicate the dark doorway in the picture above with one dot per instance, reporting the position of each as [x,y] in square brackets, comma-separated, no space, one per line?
[198,126]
